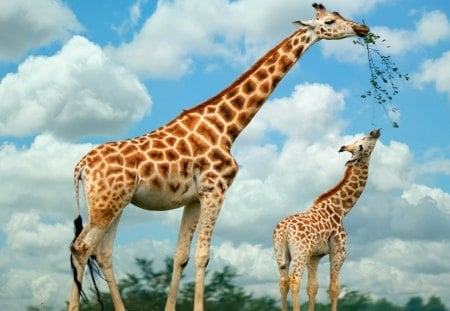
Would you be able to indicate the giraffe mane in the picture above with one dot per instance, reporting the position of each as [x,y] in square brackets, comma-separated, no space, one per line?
[239,80]
[333,190]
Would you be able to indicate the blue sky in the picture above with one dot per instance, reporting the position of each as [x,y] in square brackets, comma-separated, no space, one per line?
[74,74]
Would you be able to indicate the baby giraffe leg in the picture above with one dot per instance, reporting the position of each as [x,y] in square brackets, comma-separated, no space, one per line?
[283,261]
[294,286]
[334,289]
[284,288]
[312,285]
[300,255]
[337,258]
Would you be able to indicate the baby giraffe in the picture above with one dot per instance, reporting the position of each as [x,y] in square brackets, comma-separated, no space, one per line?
[306,237]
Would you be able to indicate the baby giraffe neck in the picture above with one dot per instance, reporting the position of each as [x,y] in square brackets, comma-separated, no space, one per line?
[344,195]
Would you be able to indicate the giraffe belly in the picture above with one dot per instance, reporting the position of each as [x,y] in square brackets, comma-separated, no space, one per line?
[157,200]
[321,248]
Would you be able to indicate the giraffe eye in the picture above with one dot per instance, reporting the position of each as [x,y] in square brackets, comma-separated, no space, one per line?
[330,22]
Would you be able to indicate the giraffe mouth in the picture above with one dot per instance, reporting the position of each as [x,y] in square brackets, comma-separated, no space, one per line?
[361,30]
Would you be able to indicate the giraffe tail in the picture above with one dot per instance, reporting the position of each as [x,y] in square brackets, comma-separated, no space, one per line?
[76,184]
[78,228]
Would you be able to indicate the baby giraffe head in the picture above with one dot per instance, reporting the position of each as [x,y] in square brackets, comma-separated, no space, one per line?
[331,25]
[362,148]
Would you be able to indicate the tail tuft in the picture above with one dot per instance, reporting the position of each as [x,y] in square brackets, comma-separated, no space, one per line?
[94,269]
[78,225]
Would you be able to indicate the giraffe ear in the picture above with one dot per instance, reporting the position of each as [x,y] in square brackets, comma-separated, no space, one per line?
[308,23]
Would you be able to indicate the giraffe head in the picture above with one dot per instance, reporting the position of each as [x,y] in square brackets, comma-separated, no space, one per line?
[331,25]
[363,147]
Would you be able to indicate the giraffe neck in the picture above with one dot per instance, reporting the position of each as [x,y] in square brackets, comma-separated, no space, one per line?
[230,111]
[344,195]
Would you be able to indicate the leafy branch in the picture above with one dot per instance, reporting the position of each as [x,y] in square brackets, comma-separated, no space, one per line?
[383,73]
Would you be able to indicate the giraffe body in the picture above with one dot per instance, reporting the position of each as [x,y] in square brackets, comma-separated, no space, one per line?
[186,162]
[302,239]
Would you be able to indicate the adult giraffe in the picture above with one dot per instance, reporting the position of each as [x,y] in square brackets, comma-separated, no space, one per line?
[186,162]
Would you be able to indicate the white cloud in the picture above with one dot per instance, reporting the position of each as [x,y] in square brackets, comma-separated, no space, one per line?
[180,30]
[164,44]
[391,167]
[420,192]
[353,7]
[431,28]
[304,113]
[300,115]
[255,261]
[401,269]
[39,177]
[29,238]
[25,25]
[134,17]
[76,92]
[436,71]
[25,232]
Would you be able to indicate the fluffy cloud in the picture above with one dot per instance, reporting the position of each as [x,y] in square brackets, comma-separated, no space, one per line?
[180,30]
[29,238]
[417,193]
[70,94]
[26,25]
[252,260]
[37,174]
[437,72]
[431,28]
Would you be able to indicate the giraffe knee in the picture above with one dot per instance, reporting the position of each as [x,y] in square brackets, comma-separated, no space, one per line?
[312,289]
[294,284]
[79,250]
[181,260]
[284,285]
[202,260]
[334,290]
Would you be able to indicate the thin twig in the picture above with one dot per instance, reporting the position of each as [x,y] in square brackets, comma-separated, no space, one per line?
[383,73]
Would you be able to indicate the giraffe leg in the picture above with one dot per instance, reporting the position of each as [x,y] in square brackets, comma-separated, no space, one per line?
[103,256]
[295,280]
[211,199]
[300,254]
[188,225]
[74,302]
[283,261]
[312,285]
[82,249]
[284,288]
[86,243]
[336,260]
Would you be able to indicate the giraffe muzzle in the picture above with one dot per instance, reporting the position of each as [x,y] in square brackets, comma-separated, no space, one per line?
[361,30]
